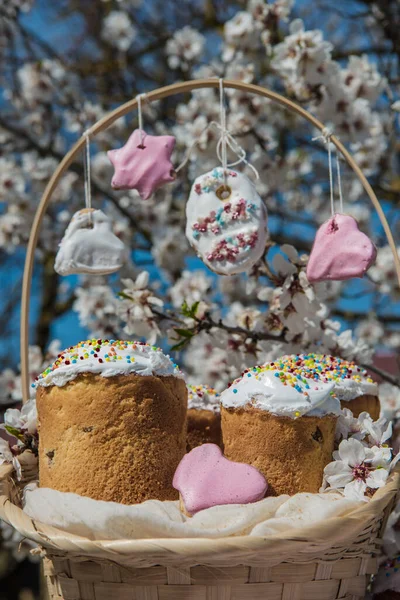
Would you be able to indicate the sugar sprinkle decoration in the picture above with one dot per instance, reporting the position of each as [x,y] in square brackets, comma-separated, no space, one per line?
[299,370]
[89,350]
[203,397]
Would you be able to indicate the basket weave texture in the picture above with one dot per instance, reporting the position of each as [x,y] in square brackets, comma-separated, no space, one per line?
[328,561]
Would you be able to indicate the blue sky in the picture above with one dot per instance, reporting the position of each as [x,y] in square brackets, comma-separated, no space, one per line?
[41,21]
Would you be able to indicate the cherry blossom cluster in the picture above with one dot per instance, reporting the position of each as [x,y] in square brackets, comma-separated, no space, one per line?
[264,43]
[363,460]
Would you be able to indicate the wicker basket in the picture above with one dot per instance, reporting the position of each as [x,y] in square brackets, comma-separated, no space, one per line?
[332,560]
[326,562]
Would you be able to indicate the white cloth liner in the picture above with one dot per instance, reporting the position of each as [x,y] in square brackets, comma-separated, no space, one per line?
[98,520]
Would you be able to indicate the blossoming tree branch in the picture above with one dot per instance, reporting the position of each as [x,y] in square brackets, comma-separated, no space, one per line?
[52,93]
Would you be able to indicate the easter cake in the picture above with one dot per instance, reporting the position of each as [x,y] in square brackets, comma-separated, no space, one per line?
[203,417]
[112,421]
[281,418]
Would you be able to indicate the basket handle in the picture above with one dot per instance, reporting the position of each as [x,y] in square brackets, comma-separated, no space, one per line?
[104,123]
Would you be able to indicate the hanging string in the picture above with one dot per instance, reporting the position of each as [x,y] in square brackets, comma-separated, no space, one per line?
[140,117]
[326,137]
[86,175]
[231,143]
[339,178]
[222,144]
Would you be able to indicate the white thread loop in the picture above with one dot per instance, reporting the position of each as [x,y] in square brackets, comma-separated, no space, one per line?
[326,137]
[339,179]
[225,141]
[222,144]
[231,142]
[86,175]
[140,117]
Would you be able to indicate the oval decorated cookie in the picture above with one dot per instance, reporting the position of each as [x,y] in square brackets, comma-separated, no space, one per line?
[226,221]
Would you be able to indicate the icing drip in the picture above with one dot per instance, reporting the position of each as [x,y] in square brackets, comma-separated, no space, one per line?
[203,397]
[107,358]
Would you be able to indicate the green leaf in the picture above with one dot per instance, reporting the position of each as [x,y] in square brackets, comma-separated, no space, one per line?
[185,308]
[180,344]
[15,432]
[187,333]
[189,311]
[123,295]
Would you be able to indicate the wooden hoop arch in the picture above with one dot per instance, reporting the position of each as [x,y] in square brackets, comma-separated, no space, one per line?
[104,123]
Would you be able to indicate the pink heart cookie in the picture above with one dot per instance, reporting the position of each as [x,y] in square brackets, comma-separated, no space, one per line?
[205,478]
[340,251]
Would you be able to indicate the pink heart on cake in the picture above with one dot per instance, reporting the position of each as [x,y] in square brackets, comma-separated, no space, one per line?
[205,478]
[340,251]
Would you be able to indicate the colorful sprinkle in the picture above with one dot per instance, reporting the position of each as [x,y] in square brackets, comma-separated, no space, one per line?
[297,369]
[115,351]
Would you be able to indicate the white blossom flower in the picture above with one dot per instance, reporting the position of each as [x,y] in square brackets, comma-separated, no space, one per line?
[24,419]
[96,305]
[353,469]
[240,34]
[136,308]
[6,455]
[118,30]
[40,80]
[102,168]
[304,59]
[185,47]
[170,250]
[383,271]
[363,79]
[192,286]
[350,426]
[262,11]
[352,348]
[389,397]
[12,181]
[370,331]
[379,432]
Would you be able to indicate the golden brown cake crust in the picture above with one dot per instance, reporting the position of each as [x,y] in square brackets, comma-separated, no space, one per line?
[366,402]
[290,453]
[113,438]
[203,427]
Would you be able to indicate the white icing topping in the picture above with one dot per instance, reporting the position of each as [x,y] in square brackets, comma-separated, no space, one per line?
[265,390]
[90,246]
[203,397]
[229,234]
[350,380]
[107,358]
[348,389]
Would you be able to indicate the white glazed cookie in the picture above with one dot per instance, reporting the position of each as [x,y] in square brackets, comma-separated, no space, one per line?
[89,246]
[107,358]
[203,397]
[228,233]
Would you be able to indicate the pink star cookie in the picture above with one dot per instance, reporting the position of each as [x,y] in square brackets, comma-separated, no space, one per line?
[143,167]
